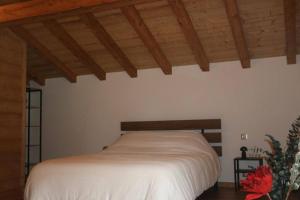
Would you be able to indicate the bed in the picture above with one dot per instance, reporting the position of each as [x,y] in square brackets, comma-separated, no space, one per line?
[152,161]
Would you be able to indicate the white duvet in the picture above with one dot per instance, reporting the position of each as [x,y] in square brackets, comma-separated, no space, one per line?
[139,166]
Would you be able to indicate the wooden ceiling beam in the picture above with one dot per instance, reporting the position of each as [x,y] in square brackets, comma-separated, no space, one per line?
[290,30]
[66,39]
[39,10]
[45,52]
[103,36]
[234,18]
[190,33]
[146,36]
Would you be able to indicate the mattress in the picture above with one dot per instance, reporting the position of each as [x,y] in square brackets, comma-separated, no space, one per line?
[138,166]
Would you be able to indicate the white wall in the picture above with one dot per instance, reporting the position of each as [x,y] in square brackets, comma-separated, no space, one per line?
[83,117]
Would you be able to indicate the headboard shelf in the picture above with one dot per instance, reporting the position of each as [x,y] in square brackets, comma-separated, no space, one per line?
[199,124]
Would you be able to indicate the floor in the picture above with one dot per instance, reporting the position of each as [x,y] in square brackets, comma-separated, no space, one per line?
[230,194]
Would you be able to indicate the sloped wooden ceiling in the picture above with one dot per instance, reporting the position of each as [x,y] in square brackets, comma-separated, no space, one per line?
[140,34]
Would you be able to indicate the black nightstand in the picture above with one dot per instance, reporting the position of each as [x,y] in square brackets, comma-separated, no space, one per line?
[238,171]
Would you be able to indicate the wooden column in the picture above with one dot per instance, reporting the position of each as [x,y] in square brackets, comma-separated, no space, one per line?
[12,113]
[290,10]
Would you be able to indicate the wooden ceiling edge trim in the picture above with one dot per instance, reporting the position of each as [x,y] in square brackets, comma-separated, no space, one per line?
[39,10]
[70,43]
[38,80]
[190,33]
[234,18]
[103,36]
[44,52]
[41,82]
[37,77]
[134,18]
[290,8]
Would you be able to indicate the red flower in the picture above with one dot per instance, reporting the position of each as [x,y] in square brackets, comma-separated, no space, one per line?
[258,183]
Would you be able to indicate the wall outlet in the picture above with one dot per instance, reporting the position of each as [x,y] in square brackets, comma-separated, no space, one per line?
[244,136]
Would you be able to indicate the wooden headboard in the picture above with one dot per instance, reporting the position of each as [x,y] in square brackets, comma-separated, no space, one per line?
[213,137]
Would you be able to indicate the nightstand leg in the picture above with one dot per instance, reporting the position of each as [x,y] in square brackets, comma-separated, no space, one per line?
[235,186]
[238,175]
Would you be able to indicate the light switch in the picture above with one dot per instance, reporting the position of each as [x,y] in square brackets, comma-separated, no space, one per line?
[244,136]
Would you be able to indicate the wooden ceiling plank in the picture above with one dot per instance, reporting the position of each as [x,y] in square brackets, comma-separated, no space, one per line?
[290,30]
[234,18]
[45,52]
[103,36]
[147,37]
[66,39]
[190,33]
[39,10]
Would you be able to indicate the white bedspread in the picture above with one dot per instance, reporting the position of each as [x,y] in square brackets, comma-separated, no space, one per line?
[139,166]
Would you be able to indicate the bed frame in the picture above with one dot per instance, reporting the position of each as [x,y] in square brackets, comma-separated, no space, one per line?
[210,128]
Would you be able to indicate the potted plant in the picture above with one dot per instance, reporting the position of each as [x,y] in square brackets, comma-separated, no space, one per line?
[282,175]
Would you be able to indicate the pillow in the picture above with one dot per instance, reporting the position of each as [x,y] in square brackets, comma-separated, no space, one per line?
[162,142]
